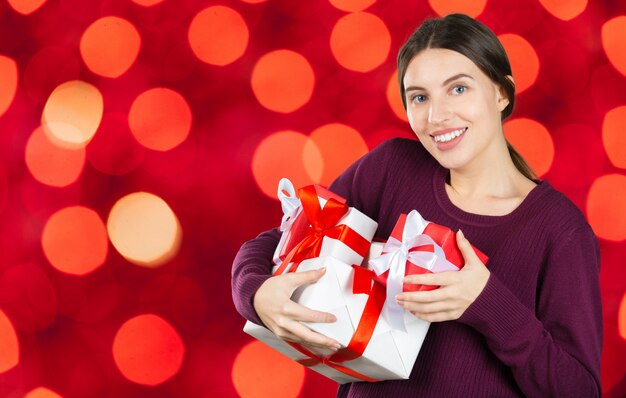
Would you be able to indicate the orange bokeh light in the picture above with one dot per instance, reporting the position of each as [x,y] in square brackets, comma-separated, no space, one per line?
[283,81]
[352,5]
[340,146]
[148,350]
[621,318]
[51,164]
[281,155]
[8,71]
[523,58]
[109,46]
[394,99]
[348,38]
[147,3]
[533,141]
[42,392]
[613,137]
[144,229]
[613,38]
[564,9]
[160,119]
[606,208]
[73,113]
[9,345]
[218,35]
[257,363]
[74,240]
[25,7]
[445,7]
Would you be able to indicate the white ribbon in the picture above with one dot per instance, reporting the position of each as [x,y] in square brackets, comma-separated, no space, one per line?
[396,254]
[289,202]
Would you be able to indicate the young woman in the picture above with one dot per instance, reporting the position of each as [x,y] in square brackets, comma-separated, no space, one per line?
[526,324]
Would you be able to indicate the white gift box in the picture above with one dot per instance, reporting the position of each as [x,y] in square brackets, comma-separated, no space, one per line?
[390,353]
[294,221]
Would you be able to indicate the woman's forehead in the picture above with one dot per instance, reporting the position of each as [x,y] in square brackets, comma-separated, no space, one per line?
[433,66]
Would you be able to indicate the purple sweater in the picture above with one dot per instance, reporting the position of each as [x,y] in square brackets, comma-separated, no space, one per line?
[535,330]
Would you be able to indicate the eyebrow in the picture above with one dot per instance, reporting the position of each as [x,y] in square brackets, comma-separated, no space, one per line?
[448,80]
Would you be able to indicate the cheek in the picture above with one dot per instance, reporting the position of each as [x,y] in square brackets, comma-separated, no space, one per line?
[417,120]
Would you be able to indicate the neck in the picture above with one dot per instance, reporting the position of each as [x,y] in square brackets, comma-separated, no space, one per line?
[489,176]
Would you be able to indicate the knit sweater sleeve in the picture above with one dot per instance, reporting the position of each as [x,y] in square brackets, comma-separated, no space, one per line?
[555,350]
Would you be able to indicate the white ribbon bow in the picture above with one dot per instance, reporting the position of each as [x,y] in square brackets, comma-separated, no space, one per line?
[289,202]
[396,254]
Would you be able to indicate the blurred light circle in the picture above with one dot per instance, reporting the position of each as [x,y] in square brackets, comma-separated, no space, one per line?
[445,7]
[394,99]
[283,81]
[148,350]
[533,141]
[27,298]
[523,58]
[613,38]
[42,392]
[114,150]
[160,119]
[281,155]
[144,229]
[8,88]
[25,7]
[621,317]
[606,207]
[340,146]
[147,3]
[9,345]
[74,240]
[352,5]
[564,9]
[256,363]
[109,46]
[360,41]
[218,35]
[613,137]
[73,113]
[51,164]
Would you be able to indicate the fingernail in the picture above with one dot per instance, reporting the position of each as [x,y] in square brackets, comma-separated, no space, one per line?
[322,270]
[336,346]
[332,318]
[399,297]
[461,233]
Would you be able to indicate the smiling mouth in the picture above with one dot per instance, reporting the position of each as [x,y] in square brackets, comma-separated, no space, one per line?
[447,137]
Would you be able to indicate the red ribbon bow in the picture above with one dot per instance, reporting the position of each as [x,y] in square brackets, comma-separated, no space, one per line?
[322,223]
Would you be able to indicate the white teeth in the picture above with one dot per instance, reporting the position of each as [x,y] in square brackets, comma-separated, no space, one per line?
[449,136]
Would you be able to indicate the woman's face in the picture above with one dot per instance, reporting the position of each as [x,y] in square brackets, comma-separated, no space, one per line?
[454,108]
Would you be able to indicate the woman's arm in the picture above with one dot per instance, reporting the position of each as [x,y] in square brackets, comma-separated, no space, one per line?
[555,351]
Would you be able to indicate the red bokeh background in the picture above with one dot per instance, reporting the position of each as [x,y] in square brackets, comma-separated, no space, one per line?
[203,106]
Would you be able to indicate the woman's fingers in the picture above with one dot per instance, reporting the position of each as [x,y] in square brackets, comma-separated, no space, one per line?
[306,335]
[304,314]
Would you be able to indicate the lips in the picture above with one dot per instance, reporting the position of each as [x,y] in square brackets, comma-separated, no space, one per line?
[448,135]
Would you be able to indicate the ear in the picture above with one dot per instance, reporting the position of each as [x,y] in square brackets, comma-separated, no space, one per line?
[503,99]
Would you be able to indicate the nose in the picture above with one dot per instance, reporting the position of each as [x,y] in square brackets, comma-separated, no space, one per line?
[438,111]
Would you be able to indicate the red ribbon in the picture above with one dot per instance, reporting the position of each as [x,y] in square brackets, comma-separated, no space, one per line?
[363,334]
[323,223]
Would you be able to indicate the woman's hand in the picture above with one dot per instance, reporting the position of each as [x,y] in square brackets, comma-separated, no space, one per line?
[458,289]
[283,316]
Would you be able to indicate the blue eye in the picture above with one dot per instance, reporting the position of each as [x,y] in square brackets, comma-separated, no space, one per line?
[418,98]
[459,89]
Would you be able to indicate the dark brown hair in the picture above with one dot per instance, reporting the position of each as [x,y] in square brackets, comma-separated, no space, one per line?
[467,36]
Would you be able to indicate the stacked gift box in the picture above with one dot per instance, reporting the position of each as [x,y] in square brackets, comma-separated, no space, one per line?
[379,339]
